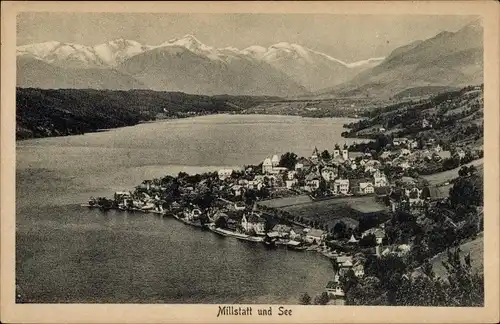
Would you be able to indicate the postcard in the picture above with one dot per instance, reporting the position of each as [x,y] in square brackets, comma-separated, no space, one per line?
[250,162]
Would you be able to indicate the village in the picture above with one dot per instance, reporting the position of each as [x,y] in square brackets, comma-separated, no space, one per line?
[332,203]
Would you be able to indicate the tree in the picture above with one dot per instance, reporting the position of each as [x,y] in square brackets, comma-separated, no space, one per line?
[369,240]
[348,280]
[305,299]
[340,229]
[288,160]
[467,190]
[322,299]
[325,155]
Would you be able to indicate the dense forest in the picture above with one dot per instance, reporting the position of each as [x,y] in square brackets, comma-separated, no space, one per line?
[43,113]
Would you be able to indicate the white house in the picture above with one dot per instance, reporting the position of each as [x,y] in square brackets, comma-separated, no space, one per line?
[296,233]
[275,160]
[282,230]
[341,186]
[372,166]
[290,183]
[345,154]
[224,173]
[366,188]
[334,289]
[267,166]
[329,173]
[291,175]
[315,155]
[254,223]
[315,236]
[312,182]
[379,179]
[359,270]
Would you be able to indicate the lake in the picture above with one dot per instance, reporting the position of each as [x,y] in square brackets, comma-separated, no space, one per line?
[69,254]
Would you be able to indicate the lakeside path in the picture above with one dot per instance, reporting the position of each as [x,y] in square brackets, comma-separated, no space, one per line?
[441,177]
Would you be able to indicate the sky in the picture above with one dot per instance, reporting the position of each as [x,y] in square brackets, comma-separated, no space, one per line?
[346,37]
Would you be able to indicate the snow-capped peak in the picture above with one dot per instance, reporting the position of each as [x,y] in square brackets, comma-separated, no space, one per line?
[191,43]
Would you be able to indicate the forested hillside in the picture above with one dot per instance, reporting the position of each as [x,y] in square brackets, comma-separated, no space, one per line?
[451,117]
[43,113]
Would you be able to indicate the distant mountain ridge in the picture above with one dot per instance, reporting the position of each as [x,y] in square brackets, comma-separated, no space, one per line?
[451,59]
[281,69]
[447,60]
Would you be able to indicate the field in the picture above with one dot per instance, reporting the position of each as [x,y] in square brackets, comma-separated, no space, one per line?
[446,176]
[329,212]
[287,201]
[475,247]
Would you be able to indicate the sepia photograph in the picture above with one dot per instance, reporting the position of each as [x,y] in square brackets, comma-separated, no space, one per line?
[250,161]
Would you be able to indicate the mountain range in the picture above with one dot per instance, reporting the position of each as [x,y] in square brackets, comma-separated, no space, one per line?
[283,69]
[183,64]
[450,59]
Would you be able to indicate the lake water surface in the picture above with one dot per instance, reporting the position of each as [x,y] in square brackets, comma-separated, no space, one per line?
[67,254]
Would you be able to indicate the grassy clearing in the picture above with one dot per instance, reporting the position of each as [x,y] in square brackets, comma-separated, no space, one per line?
[330,212]
[287,201]
[447,176]
[475,247]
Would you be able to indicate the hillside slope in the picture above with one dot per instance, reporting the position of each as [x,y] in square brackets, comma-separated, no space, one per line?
[42,113]
[453,59]
[453,118]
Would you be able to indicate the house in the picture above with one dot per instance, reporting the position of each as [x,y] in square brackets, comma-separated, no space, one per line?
[378,232]
[437,193]
[401,162]
[414,196]
[275,160]
[255,184]
[404,152]
[379,179]
[459,152]
[399,141]
[359,270]
[290,175]
[345,154]
[385,155]
[224,173]
[290,183]
[336,152]
[237,190]
[329,173]
[412,144]
[337,160]
[366,188]
[267,166]
[334,289]
[372,166]
[315,155]
[315,236]
[355,155]
[341,186]
[253,222]
[296,233]
[312,182]
[239,206]
[426,123]
[302,163]
[282,230]
[193,214]
[278,170]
